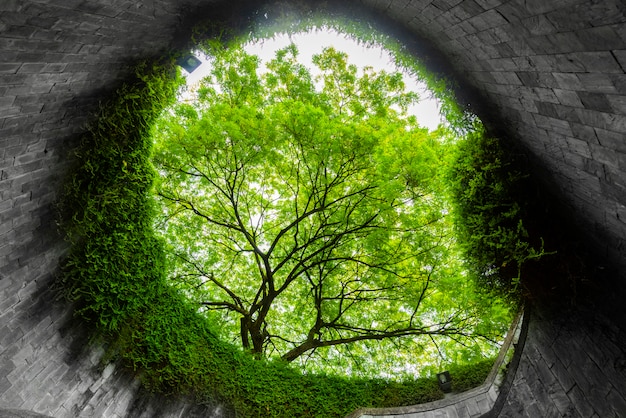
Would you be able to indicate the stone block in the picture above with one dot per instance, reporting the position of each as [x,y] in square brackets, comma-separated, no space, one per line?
[584,132]
[6,102]
[529,79]
[568,114]
[563,404]
[601,38]
[619,81]
[545,95]
[598,83]
[575,160]
[580,402]
[552,124]
[616,402]
[489,4]
[620,56]
[593,118]
[617,103]
[12,399]
[615,188]
[538,25]
[597,398]
[10,67]
[488,20]
[547,109]
[568,81]
[563,42]
[568,19]
[611,139]
[543,400]
[4,385]
[579,147]
[595,101]
[569,63]
[568,97]
[598,62]
[502,64]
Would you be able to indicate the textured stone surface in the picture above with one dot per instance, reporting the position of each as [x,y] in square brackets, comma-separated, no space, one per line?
[572,365]
[550,76]
[14,413]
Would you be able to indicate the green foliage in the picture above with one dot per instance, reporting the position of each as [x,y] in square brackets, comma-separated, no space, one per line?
[466,378]
[488,191]
[346,19]
[307,219]
[105,209]
[116,270]
[115,274]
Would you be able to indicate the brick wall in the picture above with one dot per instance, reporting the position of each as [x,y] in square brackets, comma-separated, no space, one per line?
[57,60]
[550,76]
[573,365]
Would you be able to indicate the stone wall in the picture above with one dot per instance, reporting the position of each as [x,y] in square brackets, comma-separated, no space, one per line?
[57,60]
[573,364]
[549,76]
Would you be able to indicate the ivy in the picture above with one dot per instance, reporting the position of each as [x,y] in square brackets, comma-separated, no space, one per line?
[115,274]
[488,189]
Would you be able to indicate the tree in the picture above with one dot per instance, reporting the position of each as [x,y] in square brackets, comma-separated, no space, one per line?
[303,212]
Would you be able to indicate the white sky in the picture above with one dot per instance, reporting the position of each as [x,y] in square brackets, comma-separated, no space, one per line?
[311,43]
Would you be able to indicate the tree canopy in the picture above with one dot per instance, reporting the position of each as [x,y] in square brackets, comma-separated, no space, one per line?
[304,214]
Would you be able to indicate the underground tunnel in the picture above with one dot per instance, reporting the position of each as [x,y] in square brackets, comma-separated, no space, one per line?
[547,76]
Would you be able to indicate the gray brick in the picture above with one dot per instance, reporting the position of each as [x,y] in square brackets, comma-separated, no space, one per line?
[545,95]
[569,114]
[618,103]
[598,82]
[584,132]
[568,81]
[4,385]
[597,399]
[538,25]
[620,56]
[612,140]
[580,402]
[563,404]
[563,376]
[595,101]
[568,98]
[616,402]
[601,38]
[543,401]
[565,42]
[619,81]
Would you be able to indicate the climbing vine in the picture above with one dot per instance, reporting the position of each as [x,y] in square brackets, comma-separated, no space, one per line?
[115,274]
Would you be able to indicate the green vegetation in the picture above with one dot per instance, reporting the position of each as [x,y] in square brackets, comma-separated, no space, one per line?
[304,215]
[117,274]
[489,195]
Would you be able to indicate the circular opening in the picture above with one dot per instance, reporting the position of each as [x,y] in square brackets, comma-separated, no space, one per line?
[116,272]
[307,211]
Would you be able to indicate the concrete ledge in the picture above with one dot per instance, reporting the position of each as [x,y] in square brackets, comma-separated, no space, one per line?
[472,403]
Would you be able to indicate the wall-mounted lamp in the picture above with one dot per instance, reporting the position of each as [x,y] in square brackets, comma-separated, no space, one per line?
[445,381]
[188,62]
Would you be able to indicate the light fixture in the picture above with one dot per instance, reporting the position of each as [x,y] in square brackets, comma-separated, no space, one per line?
[445,381]
[188,62]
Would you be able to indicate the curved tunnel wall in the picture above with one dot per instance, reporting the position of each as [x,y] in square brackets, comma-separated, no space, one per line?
[551,75]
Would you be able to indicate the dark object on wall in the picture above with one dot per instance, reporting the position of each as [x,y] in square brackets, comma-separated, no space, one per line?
[188,62]
[445,381]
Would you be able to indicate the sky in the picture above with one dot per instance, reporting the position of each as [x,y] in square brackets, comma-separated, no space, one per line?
[311,43]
